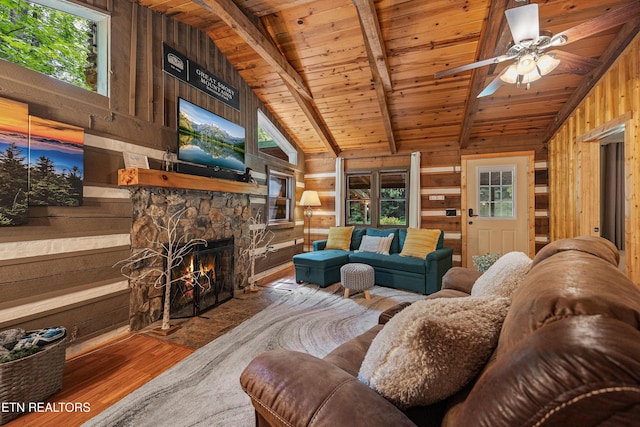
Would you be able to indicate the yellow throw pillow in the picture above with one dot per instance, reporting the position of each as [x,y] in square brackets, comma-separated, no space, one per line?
[339,238]
[420,242]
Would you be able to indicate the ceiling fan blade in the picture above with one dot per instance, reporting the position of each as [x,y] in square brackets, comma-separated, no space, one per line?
[523,22]
[493,86]
[574,64]
[597,25]
[490,61]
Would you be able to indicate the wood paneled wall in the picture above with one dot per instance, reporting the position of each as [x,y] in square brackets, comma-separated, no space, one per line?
[440,176]
[60,268]
[614,101]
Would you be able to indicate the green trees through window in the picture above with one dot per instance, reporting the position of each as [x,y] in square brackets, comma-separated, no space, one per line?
[50,41]
[377,198]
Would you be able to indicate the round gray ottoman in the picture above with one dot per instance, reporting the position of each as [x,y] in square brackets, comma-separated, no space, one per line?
[357,277]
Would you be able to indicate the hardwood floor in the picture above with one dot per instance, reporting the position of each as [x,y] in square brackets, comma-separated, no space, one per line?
[97,379]
[100,378]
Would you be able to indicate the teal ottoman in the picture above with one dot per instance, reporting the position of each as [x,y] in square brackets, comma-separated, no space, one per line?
[320,267]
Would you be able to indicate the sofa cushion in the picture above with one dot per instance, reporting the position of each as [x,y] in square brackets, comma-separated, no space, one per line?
[322,259]
[395,244]
[339,238]
[391,262]
[376,244]
[594,245]
[433,348]
[504,276]
[349,356]
[420,242]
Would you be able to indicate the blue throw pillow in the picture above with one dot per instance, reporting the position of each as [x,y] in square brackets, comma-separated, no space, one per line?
[356,238]
[402,236]
[395,245]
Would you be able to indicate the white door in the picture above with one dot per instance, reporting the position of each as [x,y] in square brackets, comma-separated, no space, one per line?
[497,212]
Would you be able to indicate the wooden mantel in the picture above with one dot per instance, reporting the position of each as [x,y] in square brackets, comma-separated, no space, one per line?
[158,178]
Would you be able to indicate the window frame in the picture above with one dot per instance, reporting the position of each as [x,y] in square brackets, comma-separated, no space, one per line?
[103,39]
[289,198]
[376,197]
[280,140]
[348,199]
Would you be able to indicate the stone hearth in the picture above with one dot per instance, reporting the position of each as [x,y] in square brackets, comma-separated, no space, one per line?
[208,216]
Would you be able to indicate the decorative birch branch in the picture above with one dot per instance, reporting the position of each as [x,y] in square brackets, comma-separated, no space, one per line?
[170,254]
[259,240]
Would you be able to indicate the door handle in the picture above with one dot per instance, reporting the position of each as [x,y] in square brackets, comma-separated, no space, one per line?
[471,215]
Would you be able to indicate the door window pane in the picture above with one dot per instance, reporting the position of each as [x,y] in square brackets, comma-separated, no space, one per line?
[496,192]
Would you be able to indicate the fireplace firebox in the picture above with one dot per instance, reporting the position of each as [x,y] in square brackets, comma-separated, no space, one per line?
[203,280]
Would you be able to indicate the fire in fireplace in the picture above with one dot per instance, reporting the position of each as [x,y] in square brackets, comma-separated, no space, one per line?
[203,280]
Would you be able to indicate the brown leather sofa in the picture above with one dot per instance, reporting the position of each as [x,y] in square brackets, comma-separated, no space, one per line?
[568,354]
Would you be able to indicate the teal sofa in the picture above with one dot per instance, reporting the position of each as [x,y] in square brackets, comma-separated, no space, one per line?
[322,267]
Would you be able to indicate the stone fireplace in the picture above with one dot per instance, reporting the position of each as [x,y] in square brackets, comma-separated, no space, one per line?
[208,215]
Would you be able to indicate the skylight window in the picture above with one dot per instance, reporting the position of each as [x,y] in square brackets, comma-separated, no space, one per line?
[272,143]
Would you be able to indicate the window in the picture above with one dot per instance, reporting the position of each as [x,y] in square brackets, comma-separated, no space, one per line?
[280,197]
[377,198]
[359,199]
[393,198]
[58,38]
[272,143]
[496,187]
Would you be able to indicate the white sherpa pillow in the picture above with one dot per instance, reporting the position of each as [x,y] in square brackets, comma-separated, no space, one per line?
[433,348]
[504,276]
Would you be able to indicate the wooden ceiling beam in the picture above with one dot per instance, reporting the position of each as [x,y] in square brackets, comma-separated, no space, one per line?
[493,42]
[261,43]
[309,109]
[626,34]
[233,16]
[377,54]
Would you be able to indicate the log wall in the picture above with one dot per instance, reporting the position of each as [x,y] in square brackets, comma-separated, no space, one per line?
[440,176]
[60,268]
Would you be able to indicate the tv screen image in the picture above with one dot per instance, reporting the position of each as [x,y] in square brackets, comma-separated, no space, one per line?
[208,139]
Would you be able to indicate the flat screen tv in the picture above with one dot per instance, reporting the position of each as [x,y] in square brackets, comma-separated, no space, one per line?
[209,140]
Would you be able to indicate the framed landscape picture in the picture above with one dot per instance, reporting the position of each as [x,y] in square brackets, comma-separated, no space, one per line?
[14,163]
[56,163]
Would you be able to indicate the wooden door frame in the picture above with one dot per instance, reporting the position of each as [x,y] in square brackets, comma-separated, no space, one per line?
[588,169]
[530,196]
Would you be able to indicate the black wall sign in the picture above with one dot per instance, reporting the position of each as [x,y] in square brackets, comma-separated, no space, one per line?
[189,72]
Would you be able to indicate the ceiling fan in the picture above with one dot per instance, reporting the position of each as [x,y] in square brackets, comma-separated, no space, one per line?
[528,51]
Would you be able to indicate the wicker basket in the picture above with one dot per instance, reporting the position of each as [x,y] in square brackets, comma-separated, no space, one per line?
[31,379]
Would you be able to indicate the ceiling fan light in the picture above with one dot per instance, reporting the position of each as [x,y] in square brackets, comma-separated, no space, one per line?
[510,75]
[546,64]
[526,64]
[530,77]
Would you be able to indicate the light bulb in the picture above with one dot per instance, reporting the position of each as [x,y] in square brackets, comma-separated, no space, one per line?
[510,75]
[547,63]
[526,64]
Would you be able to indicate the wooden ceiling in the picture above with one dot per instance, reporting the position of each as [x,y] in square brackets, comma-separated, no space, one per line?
[356,77]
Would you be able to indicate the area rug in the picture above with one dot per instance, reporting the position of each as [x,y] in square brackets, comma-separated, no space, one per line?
[204,388]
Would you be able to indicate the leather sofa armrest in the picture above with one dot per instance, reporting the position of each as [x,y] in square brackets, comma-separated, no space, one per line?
[386,315]
[319,245]
[460,279]
[289,388]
